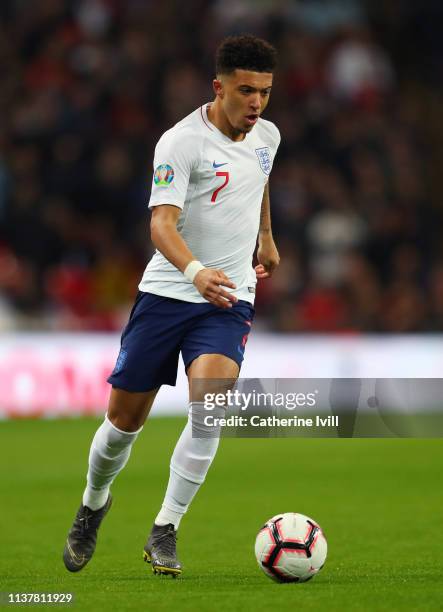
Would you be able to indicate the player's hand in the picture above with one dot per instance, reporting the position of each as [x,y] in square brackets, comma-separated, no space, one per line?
[268,258]
[210,284]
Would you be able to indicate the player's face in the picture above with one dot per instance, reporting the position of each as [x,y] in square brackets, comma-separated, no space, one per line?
[244,95]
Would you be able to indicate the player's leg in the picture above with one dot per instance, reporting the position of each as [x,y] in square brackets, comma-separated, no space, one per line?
[109,453]
[190,462]
[213,352]
[113,441]
[198,443]
[148,359]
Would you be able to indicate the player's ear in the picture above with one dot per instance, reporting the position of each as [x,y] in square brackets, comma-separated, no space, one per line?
[218,87]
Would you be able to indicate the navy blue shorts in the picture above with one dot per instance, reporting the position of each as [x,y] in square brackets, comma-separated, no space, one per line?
[159,328]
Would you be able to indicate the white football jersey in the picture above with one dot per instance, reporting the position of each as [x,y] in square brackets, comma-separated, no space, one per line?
[218,183]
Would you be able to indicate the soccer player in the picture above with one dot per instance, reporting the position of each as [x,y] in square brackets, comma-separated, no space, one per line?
[209,202]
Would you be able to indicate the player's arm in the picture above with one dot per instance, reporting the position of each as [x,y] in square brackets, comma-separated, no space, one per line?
[267,253]
[167,240]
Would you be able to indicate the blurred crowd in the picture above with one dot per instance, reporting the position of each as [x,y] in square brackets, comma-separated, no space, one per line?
[88,87]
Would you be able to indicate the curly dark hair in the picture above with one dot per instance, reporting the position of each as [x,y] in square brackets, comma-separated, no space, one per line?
[246,52]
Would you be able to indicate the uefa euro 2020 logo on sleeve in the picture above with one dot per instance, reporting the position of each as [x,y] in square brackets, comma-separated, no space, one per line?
[163,175]
[264,158]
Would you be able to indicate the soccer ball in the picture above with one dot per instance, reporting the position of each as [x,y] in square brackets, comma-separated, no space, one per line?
[291,547]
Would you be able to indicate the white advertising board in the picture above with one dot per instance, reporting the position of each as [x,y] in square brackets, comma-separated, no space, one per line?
[65,374]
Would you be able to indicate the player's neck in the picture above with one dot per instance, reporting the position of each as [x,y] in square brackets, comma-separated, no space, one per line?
[217,117]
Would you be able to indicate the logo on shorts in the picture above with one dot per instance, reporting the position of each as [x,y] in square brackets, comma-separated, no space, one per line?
[163,175]
[264,158]
[121,359]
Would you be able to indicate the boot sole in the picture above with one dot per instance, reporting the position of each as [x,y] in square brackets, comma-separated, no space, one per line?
[161,569]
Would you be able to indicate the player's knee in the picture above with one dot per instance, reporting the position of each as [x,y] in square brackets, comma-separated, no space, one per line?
[128,411]
[128,423]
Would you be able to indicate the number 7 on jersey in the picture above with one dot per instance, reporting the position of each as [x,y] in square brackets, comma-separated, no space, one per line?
[222,186]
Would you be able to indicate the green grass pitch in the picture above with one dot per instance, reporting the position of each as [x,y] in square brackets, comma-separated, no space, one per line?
[378,501]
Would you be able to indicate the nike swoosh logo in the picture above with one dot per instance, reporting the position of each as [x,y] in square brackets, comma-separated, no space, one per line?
[214,165]
[75,558]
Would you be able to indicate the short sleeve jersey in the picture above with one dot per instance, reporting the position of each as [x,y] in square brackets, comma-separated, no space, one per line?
[218,184]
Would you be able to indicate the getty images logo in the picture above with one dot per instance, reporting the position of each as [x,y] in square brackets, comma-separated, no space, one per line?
[255,399]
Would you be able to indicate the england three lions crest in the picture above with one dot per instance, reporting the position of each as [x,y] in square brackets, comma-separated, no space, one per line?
[264,158]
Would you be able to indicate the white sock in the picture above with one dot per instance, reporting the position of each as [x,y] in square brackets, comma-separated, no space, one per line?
[190,463]
[110,450]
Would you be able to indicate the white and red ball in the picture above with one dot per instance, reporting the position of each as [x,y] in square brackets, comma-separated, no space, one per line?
[291,547]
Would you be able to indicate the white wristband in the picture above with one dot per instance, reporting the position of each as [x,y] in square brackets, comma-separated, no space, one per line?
[192,269]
